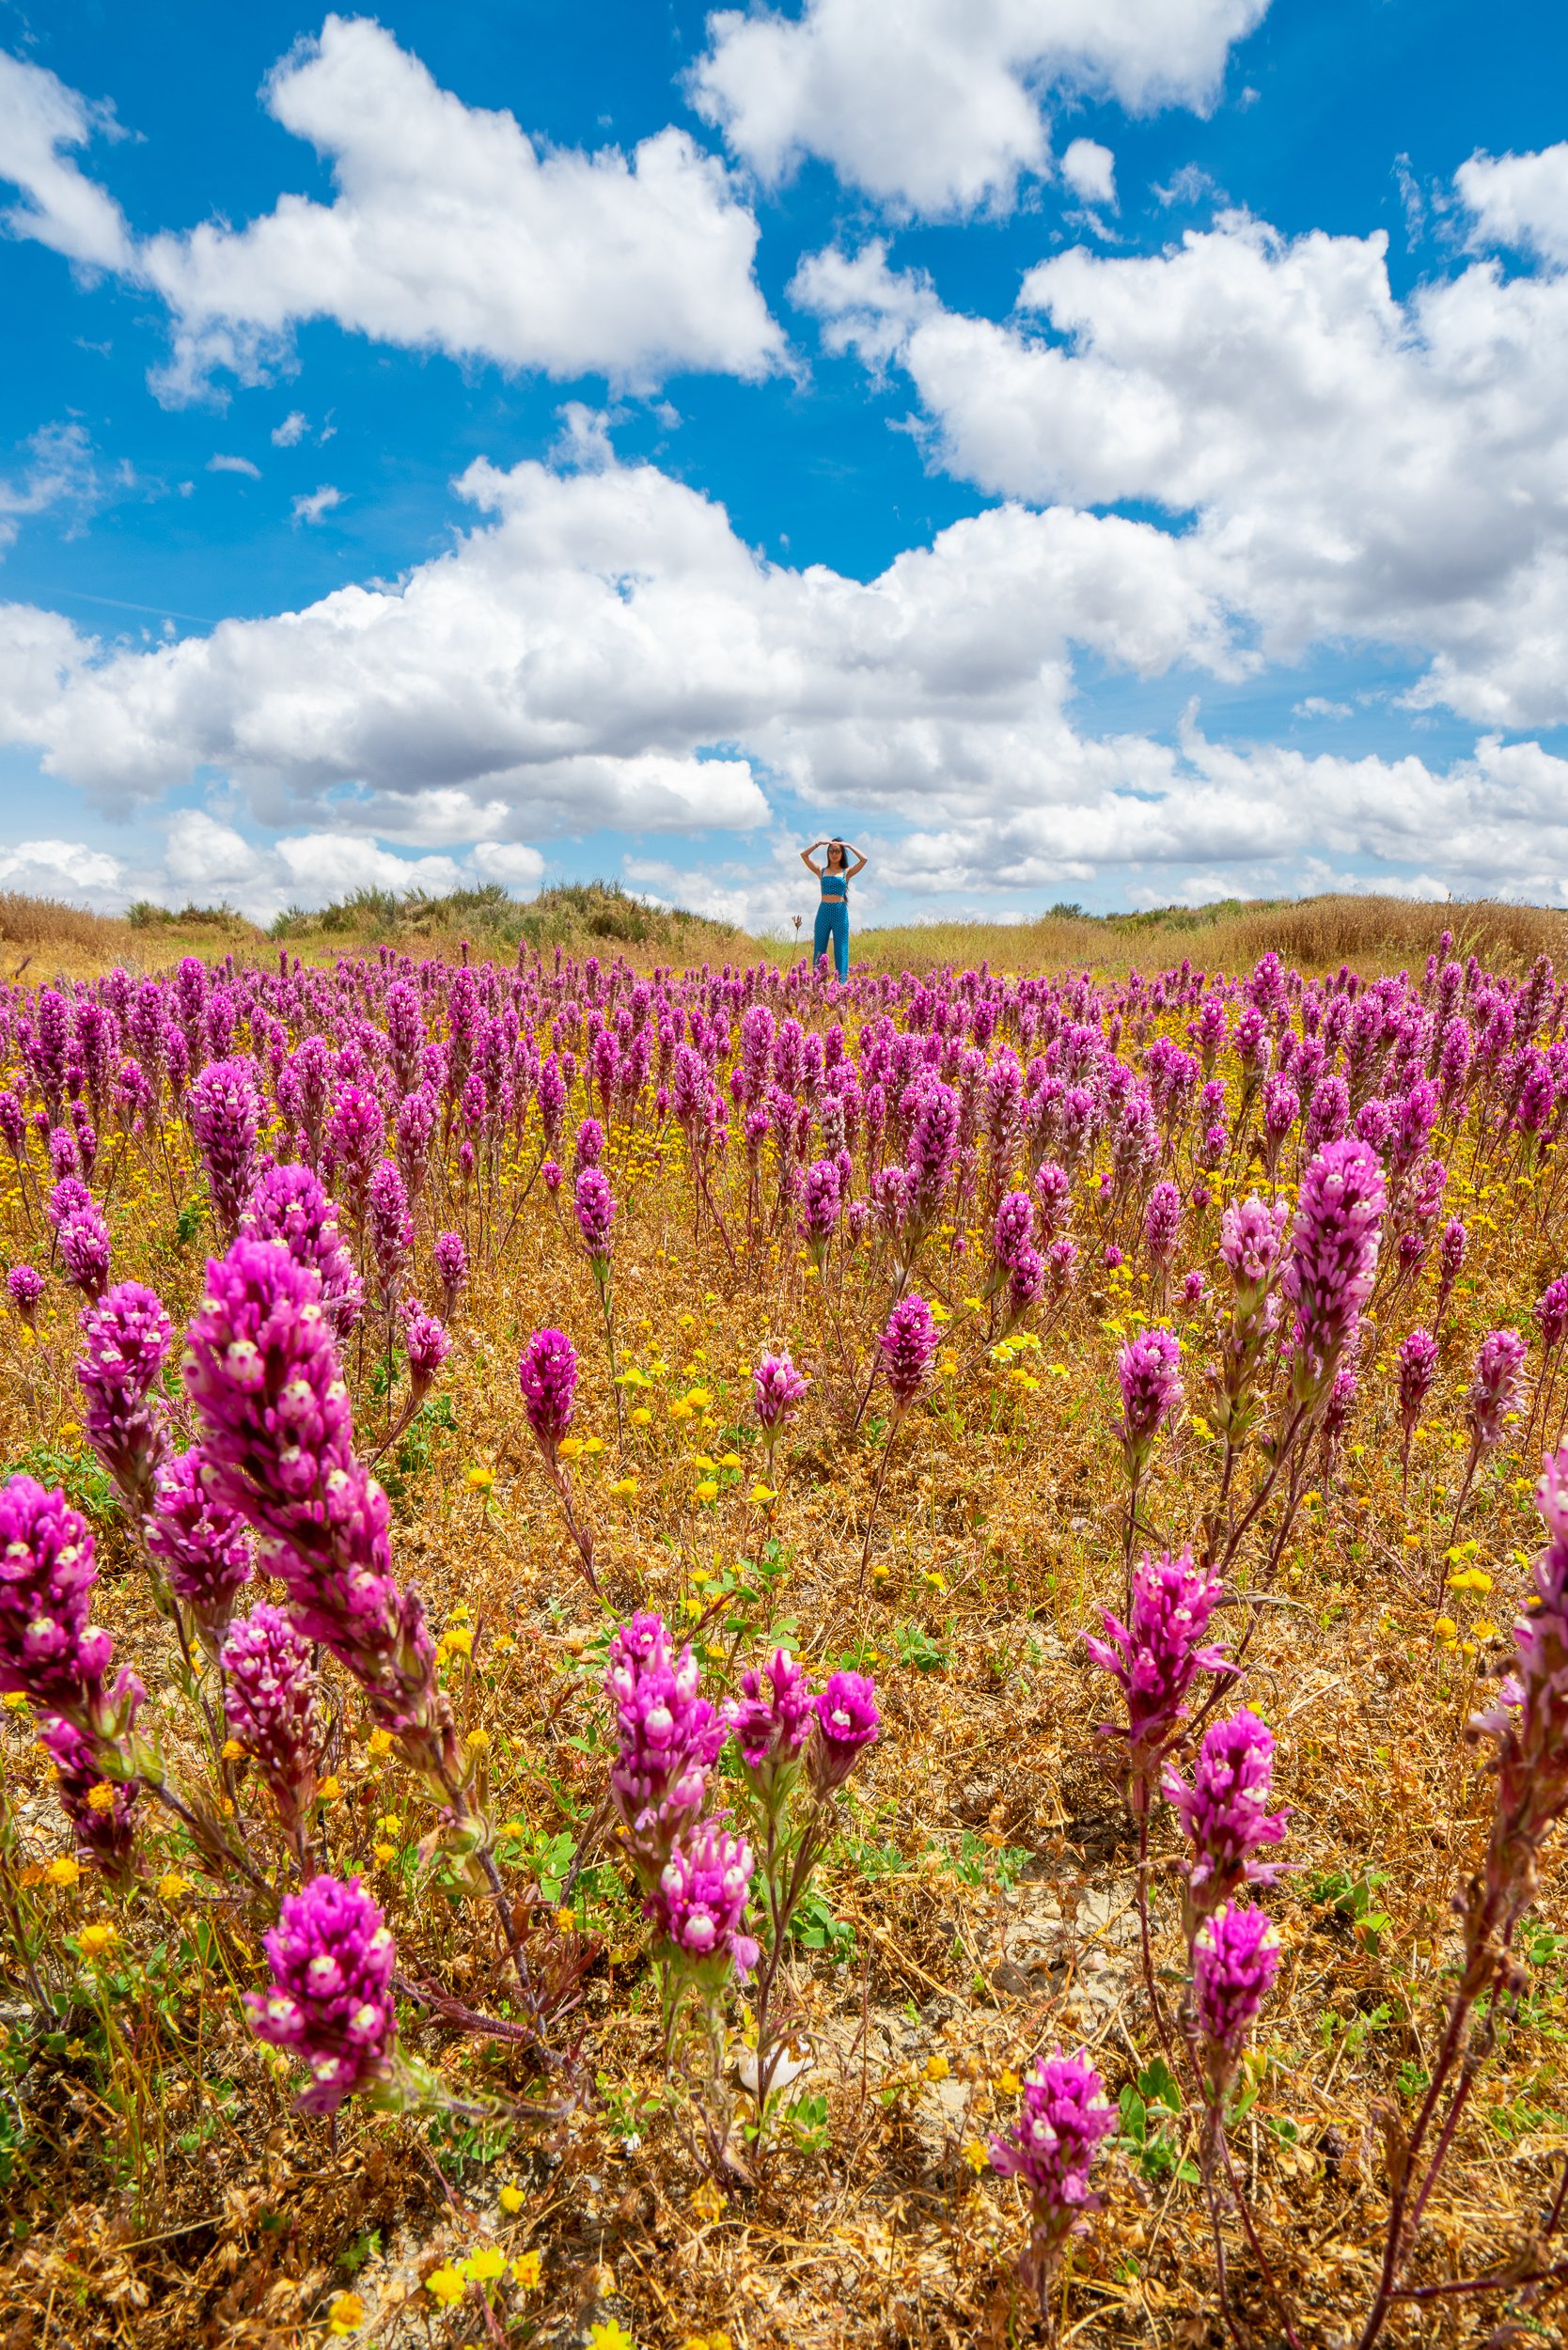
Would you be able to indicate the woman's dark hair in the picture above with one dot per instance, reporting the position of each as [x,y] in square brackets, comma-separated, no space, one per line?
[839,846]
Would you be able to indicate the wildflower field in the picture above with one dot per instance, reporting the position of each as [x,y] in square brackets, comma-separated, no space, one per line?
[695,1658]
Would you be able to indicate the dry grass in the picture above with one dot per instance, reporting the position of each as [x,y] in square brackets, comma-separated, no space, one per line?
[1317,934]
[976,1906]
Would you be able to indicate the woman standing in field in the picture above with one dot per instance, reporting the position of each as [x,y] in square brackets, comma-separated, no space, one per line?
[834,875]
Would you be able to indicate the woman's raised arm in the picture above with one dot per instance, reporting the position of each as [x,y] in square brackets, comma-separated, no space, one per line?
[858,866]
[805,859]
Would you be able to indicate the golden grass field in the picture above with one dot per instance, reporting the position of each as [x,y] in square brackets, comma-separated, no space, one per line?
[159,2189]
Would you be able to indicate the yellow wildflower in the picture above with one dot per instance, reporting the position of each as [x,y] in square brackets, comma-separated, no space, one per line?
[481,1479]
[609,2334]
[232,1751]
[625,1488]
[641,1417]
[329,1788]
[61,1872]
[101,1797]
[382,1854]
[96,1941]
[511,2202]
[347,2313]
[591,1444]
[172,1885]
[937,2068]
[1446,1628]
[486,2265]
[525,2270]
[976,2155]
[761,1493]
[380,1743]
[443,2284]
[707,1490]
[1008,2082]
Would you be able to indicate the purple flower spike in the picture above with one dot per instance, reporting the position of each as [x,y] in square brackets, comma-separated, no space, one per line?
[1013,1231]
[700,1901]
[105,1832]
[1148,1368]
[271,1688]
[778,1390]
[1252,1243]
[24,1287]
[49,1652]
[1026,1282]
[289,1204]
[1235,1957]
[1050,2150]
[200,1545]
[1333,1260]
[669,1739]
[1162,1222]
[277,1441]
[85,1250]
[595,1204]
[1530,1726]
[771,1729]
[1225,1811]
[68,1197]
[452,1269]
[126,1337]
[356,1131]
[820,1206]
[225,1108]
[426,1344]
[330,2002]
[390,1228]
[1551,1311]
[908,1350]
[1418,1369]
[1157,1658]
[547,1374]
[1496,1388]
[847,1722]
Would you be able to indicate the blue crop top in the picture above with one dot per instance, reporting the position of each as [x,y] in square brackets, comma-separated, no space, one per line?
[835,888]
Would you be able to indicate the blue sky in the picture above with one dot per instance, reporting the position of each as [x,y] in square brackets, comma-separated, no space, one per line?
[1108,452]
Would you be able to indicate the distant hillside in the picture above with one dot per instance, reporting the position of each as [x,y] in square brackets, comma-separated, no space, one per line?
[43,937]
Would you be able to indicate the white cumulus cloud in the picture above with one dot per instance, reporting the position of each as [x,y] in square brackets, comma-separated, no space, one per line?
[1520,201]
[936,106]
[601,650]
[40,122]
[451,229]
[1089,171]
[1349,464]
